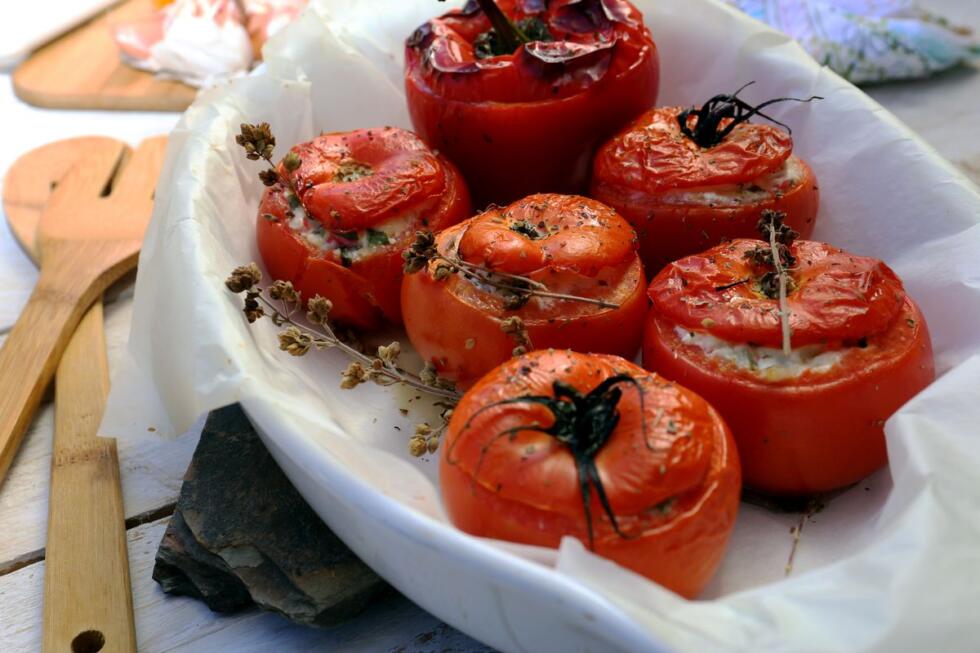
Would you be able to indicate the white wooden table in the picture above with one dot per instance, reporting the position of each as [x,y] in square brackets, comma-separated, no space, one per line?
[944,110]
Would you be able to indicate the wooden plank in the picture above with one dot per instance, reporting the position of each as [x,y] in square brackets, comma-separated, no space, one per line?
[165,623]
[82,70]
[151,468]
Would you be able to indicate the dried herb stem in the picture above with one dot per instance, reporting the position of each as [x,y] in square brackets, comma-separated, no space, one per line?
[517,289]
[516,283]
[387,369]
[282,302]
[777,261]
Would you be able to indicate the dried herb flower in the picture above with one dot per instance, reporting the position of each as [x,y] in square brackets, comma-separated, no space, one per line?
[294,342]
[243,278]
[259,143]
[515,328]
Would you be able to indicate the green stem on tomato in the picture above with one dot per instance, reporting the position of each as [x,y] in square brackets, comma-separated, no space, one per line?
[511,37]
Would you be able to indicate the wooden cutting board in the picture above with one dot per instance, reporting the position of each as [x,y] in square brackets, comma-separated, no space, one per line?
[82,70]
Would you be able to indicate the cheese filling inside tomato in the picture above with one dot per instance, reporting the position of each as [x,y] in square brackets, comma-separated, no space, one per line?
[781,180]
[766,362]
[355,244]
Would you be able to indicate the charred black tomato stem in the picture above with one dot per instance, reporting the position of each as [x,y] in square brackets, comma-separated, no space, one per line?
[708,131]
[583,423]
[511,37]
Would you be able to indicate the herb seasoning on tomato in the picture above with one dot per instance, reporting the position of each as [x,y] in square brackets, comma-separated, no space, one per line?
[807,403]
[565,266]
[519,93]
[343,207]
[688,179]
[557,443]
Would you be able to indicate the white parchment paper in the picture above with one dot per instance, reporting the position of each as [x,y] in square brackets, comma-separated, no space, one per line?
[891,565]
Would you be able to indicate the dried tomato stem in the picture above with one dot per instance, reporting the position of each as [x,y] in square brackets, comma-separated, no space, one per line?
[511,37]
[783,308]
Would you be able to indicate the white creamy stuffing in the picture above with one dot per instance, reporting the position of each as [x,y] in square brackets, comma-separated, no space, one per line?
[787,176]
[766,362]
[316,234]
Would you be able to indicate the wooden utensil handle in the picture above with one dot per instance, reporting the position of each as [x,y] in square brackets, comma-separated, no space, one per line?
[31,353]
[87,599]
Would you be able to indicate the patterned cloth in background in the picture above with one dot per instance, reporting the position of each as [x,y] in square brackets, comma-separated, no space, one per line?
[868,40]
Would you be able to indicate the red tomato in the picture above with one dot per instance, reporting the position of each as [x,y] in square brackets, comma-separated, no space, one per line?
[530,121]
[363,195]
[571,244]
[682,198]
[515,470]
[804,429]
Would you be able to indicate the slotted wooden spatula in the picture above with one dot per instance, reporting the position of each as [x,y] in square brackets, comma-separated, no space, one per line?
[89,235]
[88,603]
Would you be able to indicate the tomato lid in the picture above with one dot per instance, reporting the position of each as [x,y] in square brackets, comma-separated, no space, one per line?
[660,446]
[559,232]
[358,179]
[574,44]
[835,296]
[651,154]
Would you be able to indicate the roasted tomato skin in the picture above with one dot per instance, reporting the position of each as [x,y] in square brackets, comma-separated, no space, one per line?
[365,291]
[683,199]
[817,431]
[457,326]
[676,503]
[516,125]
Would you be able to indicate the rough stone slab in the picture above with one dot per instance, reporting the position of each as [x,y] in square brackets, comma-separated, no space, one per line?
[241,534]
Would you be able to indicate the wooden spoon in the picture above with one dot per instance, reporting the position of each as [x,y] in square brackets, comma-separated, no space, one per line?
[88,236]
[88,602]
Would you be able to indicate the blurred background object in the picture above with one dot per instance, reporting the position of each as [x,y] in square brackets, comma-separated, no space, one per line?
[869,40]
[200,42]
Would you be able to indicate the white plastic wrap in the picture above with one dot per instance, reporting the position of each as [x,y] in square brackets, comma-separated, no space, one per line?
[892,564]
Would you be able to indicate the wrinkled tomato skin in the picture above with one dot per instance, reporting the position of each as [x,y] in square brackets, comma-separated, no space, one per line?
[368,292]
[520,126]
[680,552]
[440,325]
[670,231]
[507,151]
[286,256]
[814,433]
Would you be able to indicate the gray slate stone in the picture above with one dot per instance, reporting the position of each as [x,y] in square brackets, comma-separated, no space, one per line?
[241,534]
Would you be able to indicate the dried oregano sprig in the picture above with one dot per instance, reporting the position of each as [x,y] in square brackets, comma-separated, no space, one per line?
[259,144]
[282,301]
[426,438]
[515,289]
[777,256]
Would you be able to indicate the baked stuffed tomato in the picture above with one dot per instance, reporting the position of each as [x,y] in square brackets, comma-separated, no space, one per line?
[688,179]
[520,93]
[807,417]
[556,443]
[343,209]
[564,266]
